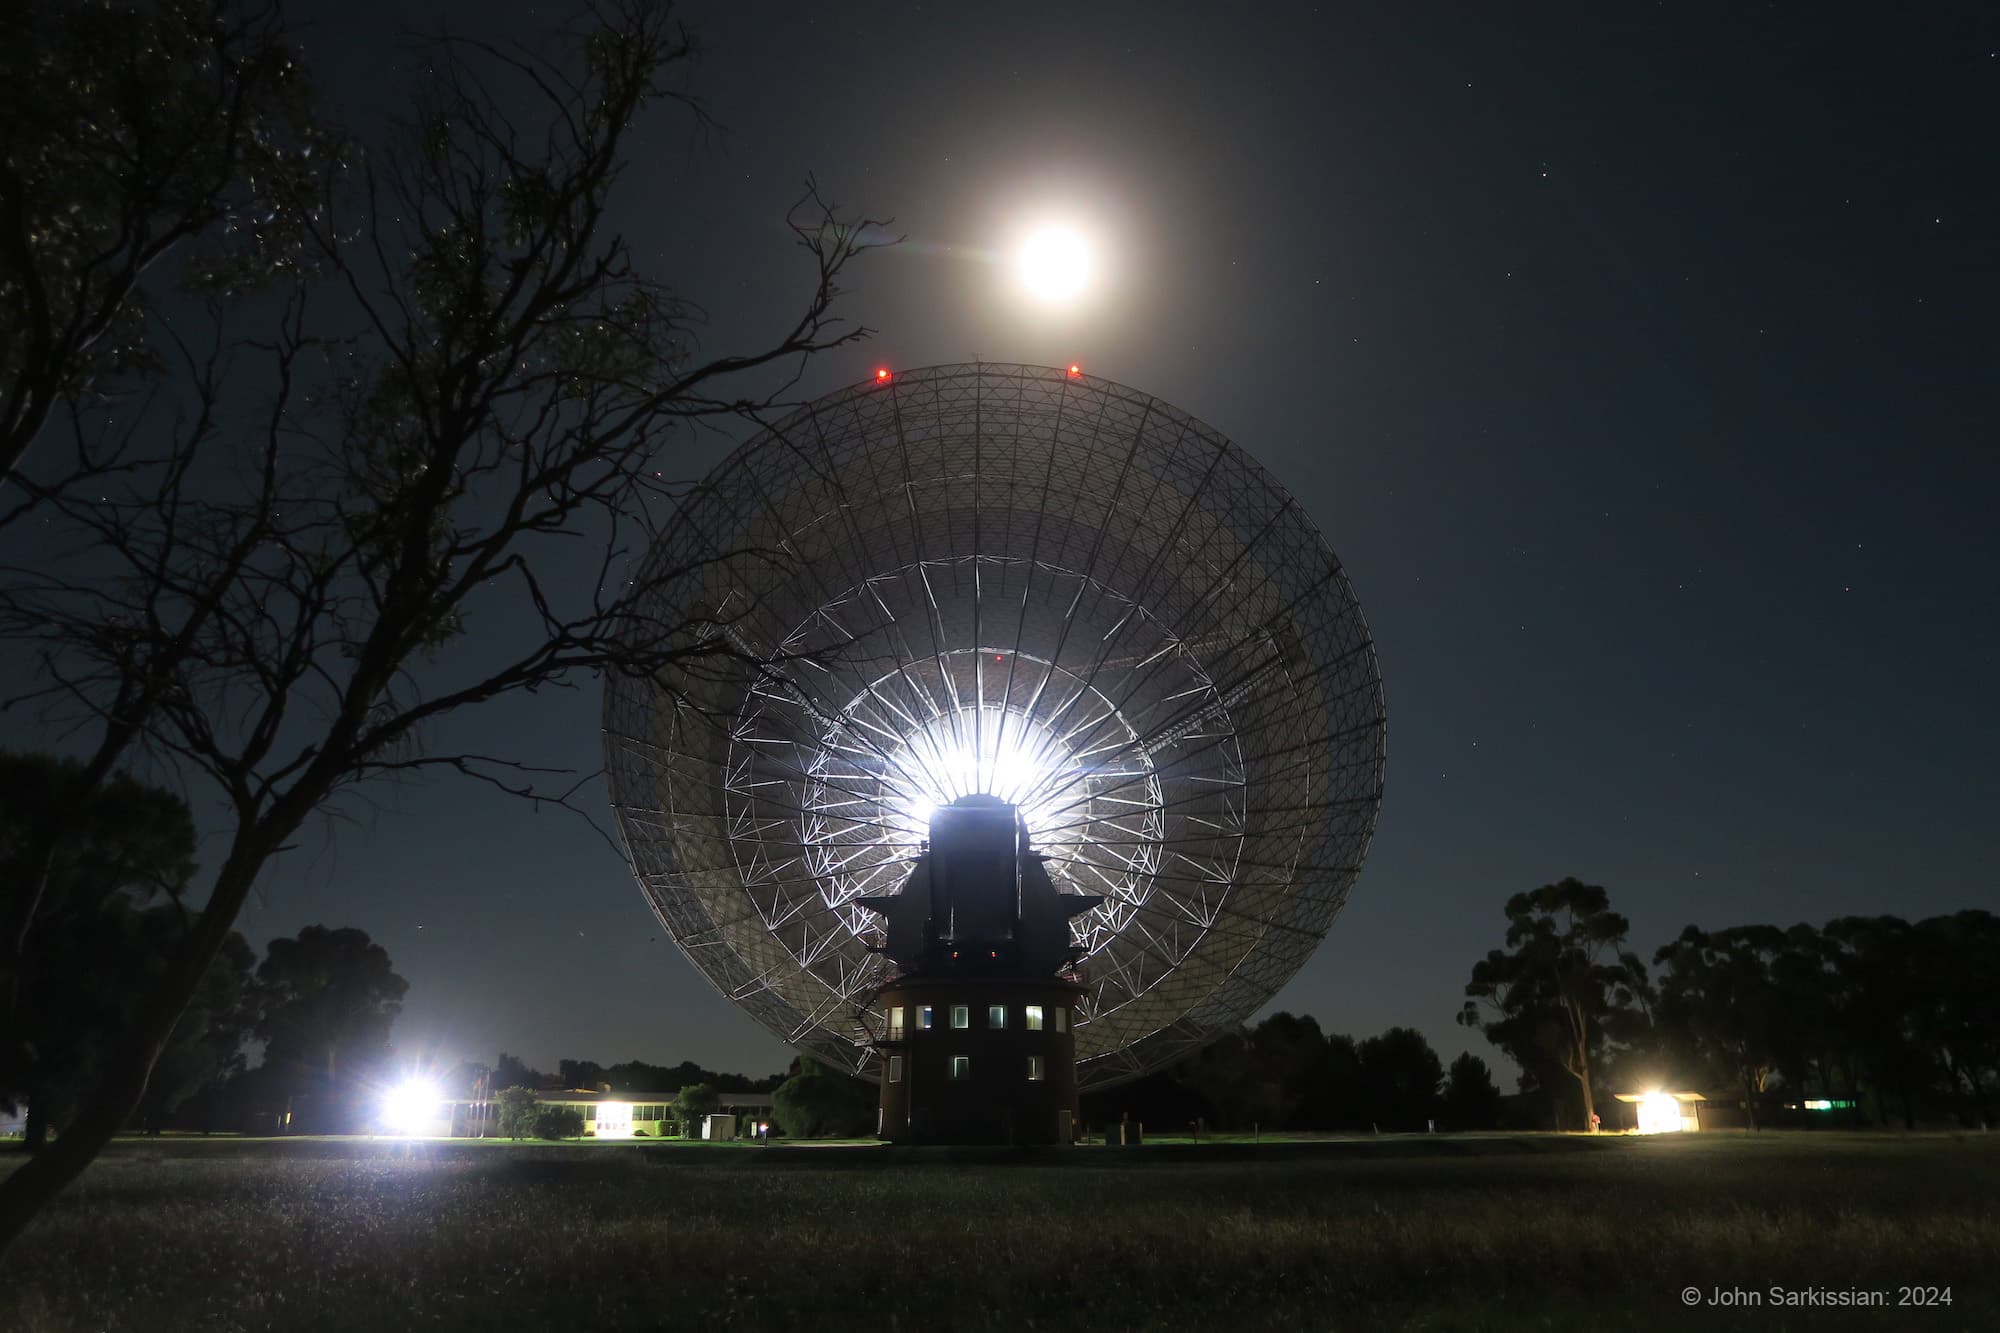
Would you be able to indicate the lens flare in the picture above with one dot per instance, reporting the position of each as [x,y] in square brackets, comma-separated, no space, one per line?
[1659,1114]
[411,1106]
[992,751]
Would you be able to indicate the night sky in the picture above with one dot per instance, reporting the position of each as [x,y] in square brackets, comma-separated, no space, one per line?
[1639,363]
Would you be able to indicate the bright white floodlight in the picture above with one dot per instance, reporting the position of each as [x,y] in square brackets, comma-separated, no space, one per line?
[1001,754]
[411,1106]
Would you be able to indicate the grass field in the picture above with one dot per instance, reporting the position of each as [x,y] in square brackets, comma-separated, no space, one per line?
[1432,1233]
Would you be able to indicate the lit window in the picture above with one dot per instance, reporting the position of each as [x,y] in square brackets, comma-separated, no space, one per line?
[1034,1069]
[895,1069]
[961,1067]
[961,1016]
[1032,1018]
[896,1023]
[924,1017]
[996,1015]
[1062,1019]
[590,1113]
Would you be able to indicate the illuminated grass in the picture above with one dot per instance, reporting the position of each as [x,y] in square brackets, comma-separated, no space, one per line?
[1433,1233]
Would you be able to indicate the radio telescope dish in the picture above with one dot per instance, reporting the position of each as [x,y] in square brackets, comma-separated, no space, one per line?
[1025,582]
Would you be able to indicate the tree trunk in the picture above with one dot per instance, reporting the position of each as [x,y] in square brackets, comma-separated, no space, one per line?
[26,901]
[130,1064]
[35,1134]
[1583,1081]
[1578,1062]
[1965,1090]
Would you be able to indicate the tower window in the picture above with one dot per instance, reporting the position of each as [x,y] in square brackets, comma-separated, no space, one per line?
[1034,1069]
[996,1015]
[895,1069]
[1031,1018]
[896,1023]
[1062,1019]
[961,1067]
[961,1016]
[924,1017]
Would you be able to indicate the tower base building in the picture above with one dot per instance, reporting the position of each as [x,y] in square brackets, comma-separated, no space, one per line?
[979,1044]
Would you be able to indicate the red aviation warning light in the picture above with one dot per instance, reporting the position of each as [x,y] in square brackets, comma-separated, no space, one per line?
[882,374]
[1075,371]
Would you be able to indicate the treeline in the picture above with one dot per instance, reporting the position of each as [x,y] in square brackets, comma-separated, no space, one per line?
[808,1100]
[103,911]
[1285,1074]
[631,1076]
[1901,1018]
[100,912]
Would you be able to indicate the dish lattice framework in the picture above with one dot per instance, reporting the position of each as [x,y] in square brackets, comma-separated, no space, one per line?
[1014,579]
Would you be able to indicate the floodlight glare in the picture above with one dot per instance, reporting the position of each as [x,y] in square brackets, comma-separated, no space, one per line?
[1659,1113]
[411,1106]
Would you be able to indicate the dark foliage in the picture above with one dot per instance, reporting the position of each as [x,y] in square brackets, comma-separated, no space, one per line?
[510,1071]
[1400,1076]
[330,997]
[692,1103]
[1901,1017]
[818,1103]
[1471,1101]
[103,919]
[518,1109]
[1284,1074]
[558,1122]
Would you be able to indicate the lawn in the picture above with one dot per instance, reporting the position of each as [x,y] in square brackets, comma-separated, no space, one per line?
[1433,1233]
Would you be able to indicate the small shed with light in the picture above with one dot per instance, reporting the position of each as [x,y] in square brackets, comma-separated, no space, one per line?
[1659,1112]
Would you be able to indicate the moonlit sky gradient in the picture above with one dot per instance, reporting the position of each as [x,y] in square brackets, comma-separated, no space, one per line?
[1639,363]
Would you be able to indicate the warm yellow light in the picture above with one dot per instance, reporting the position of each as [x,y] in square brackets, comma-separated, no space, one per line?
[1054,264]
[1659,1114]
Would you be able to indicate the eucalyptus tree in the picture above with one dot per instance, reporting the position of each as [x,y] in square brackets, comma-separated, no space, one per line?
[1959,1015]
[329,998]
[1720,990]
[1551,996]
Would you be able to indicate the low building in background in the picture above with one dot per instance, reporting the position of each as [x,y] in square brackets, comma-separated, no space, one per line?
[1659,1112]
[607,1114]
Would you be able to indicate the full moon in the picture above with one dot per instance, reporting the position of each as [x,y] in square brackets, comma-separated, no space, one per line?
[1054,264]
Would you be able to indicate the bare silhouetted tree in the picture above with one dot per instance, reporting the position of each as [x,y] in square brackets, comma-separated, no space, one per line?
[269,599]
[129,133]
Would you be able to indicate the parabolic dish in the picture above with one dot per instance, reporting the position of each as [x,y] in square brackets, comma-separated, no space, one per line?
[1011,579]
